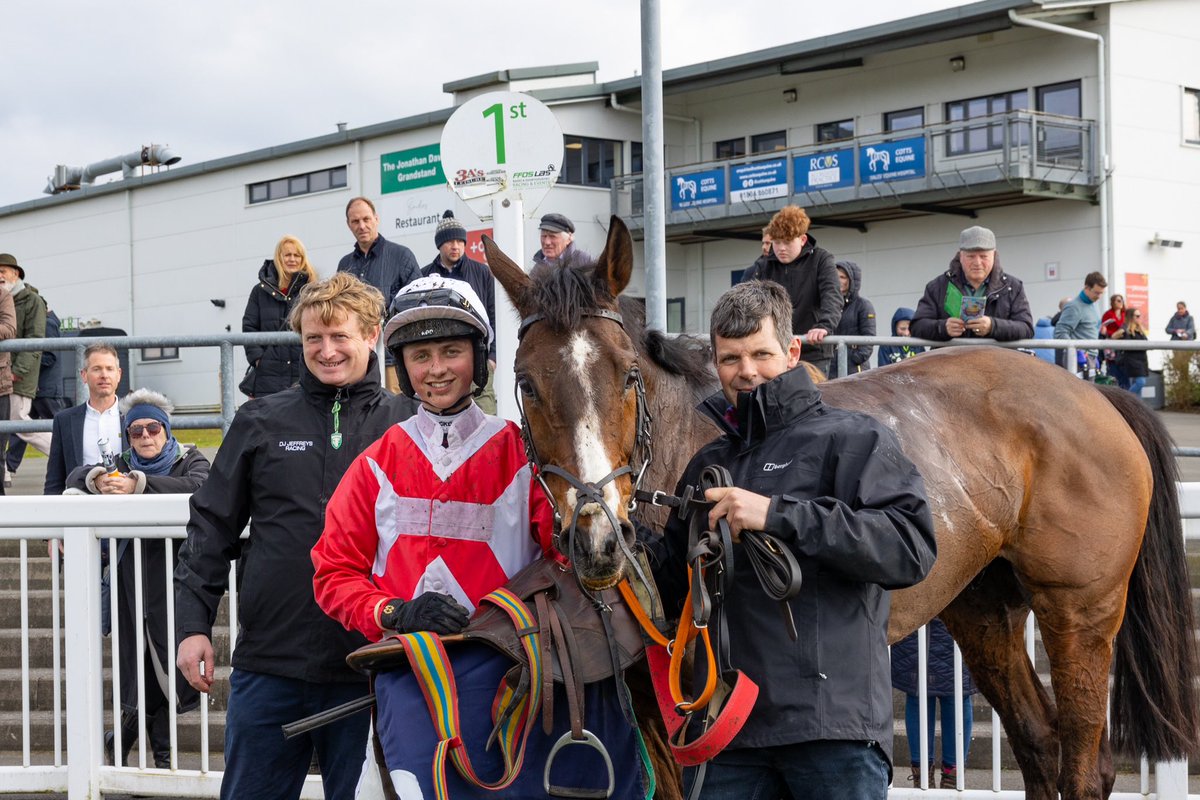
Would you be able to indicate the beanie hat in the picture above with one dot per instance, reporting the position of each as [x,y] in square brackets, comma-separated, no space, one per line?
[449,229]
[147,404]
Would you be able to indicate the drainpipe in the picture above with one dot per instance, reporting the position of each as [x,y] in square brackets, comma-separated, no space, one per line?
[1101,133]
[612,101]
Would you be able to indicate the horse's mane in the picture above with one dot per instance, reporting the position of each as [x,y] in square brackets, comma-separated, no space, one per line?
[563,295]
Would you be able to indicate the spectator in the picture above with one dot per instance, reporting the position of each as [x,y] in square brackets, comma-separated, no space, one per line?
[974,272]
[1133,363]
[557,236]
[452,261]
[282,458]
[155,463]
[854,509]
[1110,323]
[1080,320]
[858,319]
[78,430]
[895,353]
[275,367]
[766,249]
[385,265]
[31,324]
[49,400]
[940,692]
[1181,326]
[1044,329]
[8,330]
[809,275]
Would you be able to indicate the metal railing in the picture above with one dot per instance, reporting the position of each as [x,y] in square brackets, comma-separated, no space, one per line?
[226,342]
[82,521]
[1010,148]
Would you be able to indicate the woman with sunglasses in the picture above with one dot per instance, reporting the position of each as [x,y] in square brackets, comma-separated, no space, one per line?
[155,463]
[1110,323]
[1133,363]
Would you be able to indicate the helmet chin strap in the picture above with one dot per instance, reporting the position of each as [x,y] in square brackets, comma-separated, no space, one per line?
[459,405]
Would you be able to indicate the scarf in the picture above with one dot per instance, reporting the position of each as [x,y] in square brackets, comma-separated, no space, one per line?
[159,465]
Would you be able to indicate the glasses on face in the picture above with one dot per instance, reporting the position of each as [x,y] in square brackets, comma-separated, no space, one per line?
[150,429]
[1136,315]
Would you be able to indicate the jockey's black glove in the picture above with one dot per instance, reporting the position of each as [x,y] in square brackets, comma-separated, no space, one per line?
[439,613]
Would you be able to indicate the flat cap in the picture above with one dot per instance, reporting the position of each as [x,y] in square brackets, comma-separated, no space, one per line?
[977,238]
[556,223]
[9,260]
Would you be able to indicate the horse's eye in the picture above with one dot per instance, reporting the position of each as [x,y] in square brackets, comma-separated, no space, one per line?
[525,386]
[631,379]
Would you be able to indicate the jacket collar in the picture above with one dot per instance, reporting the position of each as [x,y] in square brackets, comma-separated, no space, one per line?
[996,280]
[268,278]
[771,406]
[810,244]
[375,245]
[363,390]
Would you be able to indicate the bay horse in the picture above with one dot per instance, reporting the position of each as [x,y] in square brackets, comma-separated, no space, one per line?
[1049,494]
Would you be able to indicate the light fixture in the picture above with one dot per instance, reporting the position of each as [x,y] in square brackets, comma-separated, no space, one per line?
[958,63]
[1158,241]
[218,302]
[789,95]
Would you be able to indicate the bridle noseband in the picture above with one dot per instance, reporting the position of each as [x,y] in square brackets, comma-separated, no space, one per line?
[593,492]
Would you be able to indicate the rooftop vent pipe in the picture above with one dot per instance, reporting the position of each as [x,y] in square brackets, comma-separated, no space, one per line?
[67,178]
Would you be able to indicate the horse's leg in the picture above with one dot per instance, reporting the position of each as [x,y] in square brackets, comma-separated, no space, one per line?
[987,620]
[1077,633]
[1108,770]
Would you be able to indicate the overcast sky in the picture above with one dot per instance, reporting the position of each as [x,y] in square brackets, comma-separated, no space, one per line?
[85,81]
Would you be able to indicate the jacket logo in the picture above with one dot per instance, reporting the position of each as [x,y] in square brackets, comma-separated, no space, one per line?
[771,466]
[295,445]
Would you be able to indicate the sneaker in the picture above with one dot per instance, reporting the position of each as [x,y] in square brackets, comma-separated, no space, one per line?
[949,779]
[8,478]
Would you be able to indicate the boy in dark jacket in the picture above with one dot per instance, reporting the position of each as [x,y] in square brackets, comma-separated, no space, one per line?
[894,354]
[835,487]
[858,319]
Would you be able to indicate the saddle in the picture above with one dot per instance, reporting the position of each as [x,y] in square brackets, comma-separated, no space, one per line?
[554,633]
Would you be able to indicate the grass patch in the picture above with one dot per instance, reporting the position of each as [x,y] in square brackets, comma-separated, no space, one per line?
[201,437]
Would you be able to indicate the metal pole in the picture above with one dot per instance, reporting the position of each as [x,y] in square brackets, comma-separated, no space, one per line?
[228,399]
[508,222]
[653,167]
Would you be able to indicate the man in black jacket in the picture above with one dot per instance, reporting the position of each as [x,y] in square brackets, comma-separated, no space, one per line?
[810,277]
[387,266]
[282,458]
[834,486]
[974,273]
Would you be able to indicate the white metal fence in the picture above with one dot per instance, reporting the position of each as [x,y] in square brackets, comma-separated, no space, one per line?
[81,522]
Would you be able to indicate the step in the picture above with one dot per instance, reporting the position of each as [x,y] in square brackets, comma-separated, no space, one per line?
[41,689]
[41,732]
[41,647]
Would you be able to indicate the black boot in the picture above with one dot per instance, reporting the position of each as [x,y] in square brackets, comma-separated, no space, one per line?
[129,733]
[160,738]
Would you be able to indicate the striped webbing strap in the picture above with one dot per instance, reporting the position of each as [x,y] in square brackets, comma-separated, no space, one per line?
[511,710]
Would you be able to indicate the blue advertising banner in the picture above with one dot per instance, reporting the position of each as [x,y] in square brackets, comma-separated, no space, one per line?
[758,181]
[833,169]
[698,189]
[889,161]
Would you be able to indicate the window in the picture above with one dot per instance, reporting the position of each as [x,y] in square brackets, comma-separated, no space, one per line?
[730,148]
[768,142]
[903,120]
[1060,142]
[835,131]
[1191,116]
[635,157]
[983,136]
[675,308]
[588,161]
[320,181]
[160,353]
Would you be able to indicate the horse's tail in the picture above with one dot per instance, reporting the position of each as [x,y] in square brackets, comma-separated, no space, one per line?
[1154,702]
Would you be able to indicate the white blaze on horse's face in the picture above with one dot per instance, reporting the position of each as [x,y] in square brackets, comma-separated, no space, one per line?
[594,462]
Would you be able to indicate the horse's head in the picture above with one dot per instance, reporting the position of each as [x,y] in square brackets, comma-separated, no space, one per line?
[579,384]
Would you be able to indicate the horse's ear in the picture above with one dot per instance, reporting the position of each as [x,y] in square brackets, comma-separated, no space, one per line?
[514,279]
[615,264]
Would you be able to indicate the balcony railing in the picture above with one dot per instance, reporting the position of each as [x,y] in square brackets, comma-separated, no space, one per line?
[1017,152]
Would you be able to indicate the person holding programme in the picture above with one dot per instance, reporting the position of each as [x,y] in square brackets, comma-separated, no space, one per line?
[1181,326]
[275,367]
[838,491]
[155,463]
[975,274]
[281,460]
[809,275]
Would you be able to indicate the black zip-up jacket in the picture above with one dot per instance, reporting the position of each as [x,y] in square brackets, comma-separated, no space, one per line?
[277,469]
[478,277]
[812,284]
[388,266]
[853,509]
[277,366]
[1006,304]
[858,319]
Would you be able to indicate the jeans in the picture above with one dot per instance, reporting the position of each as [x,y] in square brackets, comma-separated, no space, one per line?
[262,765]
[821,770]
[1135,385]
[912,723]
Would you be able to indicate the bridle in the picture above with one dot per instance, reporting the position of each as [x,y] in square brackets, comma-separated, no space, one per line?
[593,492]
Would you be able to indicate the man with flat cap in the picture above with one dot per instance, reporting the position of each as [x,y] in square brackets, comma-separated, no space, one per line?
[557,236]
[30,311]
[974,297]
[452,261]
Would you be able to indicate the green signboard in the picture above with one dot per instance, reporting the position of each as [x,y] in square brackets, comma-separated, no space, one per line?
[411,169]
